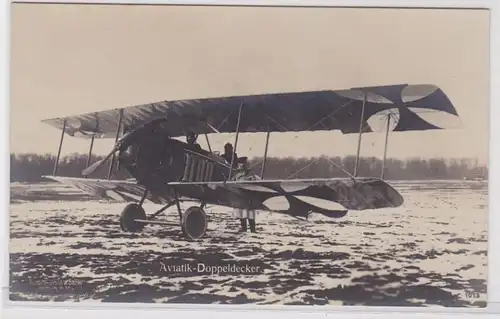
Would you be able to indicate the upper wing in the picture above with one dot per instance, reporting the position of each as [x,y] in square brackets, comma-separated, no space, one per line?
[298,111]
[127,190]
[304,195]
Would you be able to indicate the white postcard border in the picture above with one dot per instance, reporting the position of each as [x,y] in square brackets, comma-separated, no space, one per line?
[123,311]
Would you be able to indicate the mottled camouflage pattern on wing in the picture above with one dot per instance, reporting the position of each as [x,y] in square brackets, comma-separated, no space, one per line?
[278,112]
[303,196]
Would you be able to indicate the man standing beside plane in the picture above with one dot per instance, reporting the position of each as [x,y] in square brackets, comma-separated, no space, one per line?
[245,214]
[242,214]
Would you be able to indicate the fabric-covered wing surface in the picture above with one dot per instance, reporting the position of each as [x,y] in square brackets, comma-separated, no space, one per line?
[281,112]
[297,198]
[108,189]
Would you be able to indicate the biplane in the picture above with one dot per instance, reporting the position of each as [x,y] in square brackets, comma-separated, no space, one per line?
[168,171]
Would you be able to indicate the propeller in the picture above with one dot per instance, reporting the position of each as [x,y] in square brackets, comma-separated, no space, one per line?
[126,139]
[92,168]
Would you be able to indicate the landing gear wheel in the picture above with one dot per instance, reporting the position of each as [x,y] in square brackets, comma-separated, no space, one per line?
[194,223]
[130,213]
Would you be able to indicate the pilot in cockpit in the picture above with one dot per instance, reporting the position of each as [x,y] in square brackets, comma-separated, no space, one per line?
[191,140]
[228,155]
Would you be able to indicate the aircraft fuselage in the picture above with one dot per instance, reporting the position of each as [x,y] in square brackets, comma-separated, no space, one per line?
[155,160]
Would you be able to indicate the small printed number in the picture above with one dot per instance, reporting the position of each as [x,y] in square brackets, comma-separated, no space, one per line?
[471,294]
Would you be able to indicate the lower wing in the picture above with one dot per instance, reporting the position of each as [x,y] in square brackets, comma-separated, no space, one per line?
[127,190]
[302,196]
[297,197]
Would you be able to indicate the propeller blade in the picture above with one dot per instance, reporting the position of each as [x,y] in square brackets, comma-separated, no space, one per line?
[126,139]
[92,168]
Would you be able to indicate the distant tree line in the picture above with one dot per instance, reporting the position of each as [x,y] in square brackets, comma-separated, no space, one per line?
[31,167]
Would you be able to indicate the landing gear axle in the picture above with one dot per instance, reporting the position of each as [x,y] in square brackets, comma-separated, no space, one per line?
[193,221]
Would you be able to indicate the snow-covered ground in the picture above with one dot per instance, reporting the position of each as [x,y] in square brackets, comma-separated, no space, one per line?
[430,251]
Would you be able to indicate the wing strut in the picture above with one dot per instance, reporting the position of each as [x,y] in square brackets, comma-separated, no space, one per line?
[385,147]
[213,128]
[118,129]
[235,140]
[208,143]
[265,151]
[361,122]
[90,151]
[56,164]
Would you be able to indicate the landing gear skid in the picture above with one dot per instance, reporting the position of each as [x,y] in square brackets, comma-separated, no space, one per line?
[193,221]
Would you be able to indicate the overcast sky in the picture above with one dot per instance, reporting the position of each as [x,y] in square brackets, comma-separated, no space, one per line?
[72,59]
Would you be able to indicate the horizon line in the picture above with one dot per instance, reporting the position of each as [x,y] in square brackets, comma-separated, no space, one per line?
[284,156]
